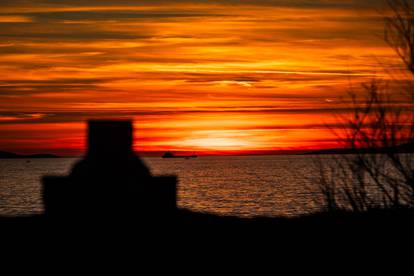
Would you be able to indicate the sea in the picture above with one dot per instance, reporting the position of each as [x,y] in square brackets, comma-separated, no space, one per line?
[243,186]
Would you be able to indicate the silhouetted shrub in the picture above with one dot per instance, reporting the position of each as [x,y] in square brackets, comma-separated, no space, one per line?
[379,131]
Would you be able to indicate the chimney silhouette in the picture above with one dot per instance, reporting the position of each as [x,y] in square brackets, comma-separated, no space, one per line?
[110,139]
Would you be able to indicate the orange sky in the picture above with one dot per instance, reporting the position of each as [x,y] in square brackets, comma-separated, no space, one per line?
[194,75]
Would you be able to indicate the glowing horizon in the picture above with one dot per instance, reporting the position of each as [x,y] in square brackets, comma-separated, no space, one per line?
[202,76]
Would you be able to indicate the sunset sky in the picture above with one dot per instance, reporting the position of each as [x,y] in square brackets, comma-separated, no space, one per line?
[202,76]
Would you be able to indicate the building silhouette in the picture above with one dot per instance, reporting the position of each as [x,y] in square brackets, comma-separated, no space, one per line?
[110,183]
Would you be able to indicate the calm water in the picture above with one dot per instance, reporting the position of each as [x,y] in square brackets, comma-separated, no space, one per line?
[242,186]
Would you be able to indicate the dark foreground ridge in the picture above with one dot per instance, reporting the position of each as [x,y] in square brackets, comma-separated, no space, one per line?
[112,191]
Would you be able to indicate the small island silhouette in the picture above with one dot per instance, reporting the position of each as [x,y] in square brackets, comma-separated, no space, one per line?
[170,154]
[11,155]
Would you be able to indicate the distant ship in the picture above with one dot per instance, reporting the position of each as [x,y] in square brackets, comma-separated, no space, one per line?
[169,154]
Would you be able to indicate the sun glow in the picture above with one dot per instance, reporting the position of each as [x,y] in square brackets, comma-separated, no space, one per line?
[218,143]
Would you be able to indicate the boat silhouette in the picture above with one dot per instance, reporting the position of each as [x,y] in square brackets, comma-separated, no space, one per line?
[170,154]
